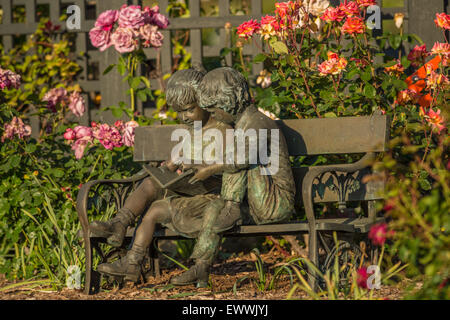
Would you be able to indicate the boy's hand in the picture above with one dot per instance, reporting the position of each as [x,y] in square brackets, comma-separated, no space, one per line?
[201,174]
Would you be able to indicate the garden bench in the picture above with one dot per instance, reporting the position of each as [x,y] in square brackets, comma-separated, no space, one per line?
[339,183]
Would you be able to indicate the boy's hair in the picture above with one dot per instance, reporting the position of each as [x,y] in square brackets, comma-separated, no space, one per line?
[182,87]
[224,88]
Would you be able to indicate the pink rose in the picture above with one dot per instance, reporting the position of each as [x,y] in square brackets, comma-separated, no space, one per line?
[119,125]
[124,41]
[108,136]
[16,127]
[100,38]
[128,133]
[9,79]
[160,20]
[76,104]
[80,145]
[131,17]
[82,132]
[107,19]
[70,134]
[54,97]
[151,35]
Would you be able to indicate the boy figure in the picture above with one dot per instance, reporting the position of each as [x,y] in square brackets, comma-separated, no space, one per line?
[185,215]
[225,94]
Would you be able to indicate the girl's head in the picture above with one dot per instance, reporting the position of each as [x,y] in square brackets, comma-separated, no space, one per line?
[181,95]
[224,92]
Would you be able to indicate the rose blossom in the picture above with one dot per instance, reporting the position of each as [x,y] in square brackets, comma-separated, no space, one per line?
[82,131]
[108,136]
[76,104]
[80,145]
[366,3]
[70,134]
[9,79]
[362,276]
[107,19]
[248,28]
[131,17]
[333,14]
[442,20]
[100,38]
[128,133]
[353,25]
[378,234]
[160,20]
[54,97]
[435,119]
[350,8]
[123,40]
[16,127]
[151,35]
[417,55]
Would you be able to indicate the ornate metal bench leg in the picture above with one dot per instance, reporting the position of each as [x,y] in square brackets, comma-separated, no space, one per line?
[371,210]
[89,271]
[154,257]
[313,257]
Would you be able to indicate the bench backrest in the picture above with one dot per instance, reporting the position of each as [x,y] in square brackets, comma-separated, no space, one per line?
[303,136]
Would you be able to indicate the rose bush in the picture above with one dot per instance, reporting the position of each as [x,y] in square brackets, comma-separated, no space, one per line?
[324,62]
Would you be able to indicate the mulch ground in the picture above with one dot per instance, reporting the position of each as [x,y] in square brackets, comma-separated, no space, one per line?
[224,277]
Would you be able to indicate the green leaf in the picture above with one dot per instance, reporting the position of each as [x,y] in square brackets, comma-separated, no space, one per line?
[146,81]
[366,76]
[280,47]
[369,91]
[121,69]
[117,112]
[259,58]
[30,148]
[142,95]
[107,70]
[395,41]
[135,82]
[330,115]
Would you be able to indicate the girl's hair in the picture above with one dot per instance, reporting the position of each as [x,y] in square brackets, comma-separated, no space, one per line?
[224,88]
[182,87]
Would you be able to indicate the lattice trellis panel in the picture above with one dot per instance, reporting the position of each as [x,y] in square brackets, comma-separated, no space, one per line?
[419,17]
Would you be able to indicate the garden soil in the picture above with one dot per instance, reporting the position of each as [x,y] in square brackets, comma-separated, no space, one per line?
[223,278]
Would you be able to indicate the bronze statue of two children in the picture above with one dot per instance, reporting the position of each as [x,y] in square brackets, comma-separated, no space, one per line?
[219,100]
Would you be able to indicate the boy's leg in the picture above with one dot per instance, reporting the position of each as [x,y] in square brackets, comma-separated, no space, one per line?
[205,249]
[130,265]
[268,202]
[115,229]
[234,188]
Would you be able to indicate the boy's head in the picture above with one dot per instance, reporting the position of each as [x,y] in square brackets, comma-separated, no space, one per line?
[224,92]
[181,95]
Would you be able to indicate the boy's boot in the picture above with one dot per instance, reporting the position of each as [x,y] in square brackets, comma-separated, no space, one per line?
[130,266]
[115,229]
[199,274]
[228,217]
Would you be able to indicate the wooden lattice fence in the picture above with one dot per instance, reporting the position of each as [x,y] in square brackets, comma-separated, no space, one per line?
[419,15]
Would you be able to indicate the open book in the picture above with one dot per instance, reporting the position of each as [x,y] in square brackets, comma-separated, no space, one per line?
[179,183]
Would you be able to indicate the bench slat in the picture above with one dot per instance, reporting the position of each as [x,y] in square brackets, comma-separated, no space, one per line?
[338,224]
[336,135]
[304,137]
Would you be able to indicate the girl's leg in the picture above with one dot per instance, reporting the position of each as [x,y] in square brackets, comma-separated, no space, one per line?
[130,265]
[114,230]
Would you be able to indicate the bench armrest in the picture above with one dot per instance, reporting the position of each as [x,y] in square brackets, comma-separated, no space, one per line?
[83,196]
[316,171]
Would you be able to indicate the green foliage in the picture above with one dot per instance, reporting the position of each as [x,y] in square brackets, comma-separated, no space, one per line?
[419,208]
